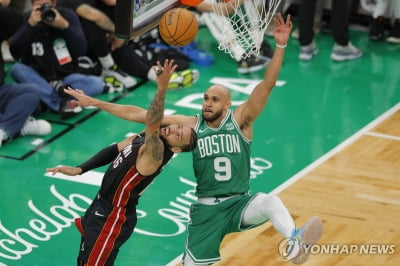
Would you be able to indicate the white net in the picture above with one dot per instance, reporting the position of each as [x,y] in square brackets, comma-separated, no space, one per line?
[242,23]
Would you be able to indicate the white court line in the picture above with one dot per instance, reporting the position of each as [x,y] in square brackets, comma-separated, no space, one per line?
[338,148]
[380,135]
[323,158]
[91,177]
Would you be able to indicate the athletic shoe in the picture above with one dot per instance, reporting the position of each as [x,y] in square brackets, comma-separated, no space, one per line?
[197,56]
[394,35]
[68,109]
[346,52]
[5,51]
[112,85]
[35,127]
[377,29]
[183,79]
[266,51]
[307,52]
[316,28]
[3,136]
[119,75]
[307,235]
[251,64]
[58,86]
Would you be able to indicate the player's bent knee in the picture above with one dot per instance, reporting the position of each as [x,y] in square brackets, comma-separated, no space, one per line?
[187,261]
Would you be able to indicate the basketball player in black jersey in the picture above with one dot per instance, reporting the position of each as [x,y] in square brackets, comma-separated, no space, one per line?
[135,162]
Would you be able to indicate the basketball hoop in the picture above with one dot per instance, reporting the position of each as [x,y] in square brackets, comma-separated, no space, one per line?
[191,2]
[243,23]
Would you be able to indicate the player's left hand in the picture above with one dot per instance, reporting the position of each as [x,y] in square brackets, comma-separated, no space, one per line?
[164,73]
[283,29]
[80,97]
[66,170]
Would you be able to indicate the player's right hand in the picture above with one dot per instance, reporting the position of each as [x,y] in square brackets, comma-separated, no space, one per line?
[80,97]
[66,170]
[164,73]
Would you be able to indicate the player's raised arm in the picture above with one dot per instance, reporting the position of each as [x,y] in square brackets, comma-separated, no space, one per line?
[151,153]
[128,112]
[251,109]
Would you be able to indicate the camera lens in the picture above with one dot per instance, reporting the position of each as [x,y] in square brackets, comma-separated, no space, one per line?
[48,14]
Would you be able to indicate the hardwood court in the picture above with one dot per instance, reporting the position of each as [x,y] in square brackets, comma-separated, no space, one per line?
[355,190]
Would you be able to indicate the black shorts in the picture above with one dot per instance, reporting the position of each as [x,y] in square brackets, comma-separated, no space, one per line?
[104,229]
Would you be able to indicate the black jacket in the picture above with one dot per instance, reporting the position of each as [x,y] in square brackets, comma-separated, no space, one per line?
[34,46]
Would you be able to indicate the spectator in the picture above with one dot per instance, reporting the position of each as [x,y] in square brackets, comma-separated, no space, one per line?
[318,23]
[377,27]
[144,56]
[48,45]
[17,101]
[98,28]
[343,49]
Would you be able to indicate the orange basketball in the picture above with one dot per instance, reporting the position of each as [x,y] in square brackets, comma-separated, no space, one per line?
[178,27]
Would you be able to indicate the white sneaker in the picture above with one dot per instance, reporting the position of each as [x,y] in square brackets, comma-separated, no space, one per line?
[183,79]
[307,52]
[5,50]
[316,28]
[307,235]
[112,85]
[3,136]
[35,127]
[126,80]
[69,109]
[346,52]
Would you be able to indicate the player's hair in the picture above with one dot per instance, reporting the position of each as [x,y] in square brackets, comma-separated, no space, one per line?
[184,148]
[193,142]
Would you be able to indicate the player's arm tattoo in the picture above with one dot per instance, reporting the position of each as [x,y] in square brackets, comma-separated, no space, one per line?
[156,145]
[154,117]
[155,113]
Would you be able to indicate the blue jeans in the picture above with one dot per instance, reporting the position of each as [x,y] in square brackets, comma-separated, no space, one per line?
[17,103]
[91,85]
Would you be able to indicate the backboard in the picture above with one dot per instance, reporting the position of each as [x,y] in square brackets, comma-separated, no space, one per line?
[135,17]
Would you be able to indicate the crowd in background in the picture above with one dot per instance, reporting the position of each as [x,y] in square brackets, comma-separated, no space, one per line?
[52,45]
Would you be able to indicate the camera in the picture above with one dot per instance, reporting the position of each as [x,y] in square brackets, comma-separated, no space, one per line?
[48,14]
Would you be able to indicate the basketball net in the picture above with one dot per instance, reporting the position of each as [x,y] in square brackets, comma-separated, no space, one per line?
[243,24]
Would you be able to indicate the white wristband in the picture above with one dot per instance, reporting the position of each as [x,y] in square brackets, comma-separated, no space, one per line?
[281,46]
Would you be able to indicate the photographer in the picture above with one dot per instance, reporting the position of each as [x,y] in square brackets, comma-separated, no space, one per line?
[17,101]
[48,45]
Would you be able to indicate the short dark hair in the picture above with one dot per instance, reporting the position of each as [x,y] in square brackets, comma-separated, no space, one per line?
[185,147]
[193,142]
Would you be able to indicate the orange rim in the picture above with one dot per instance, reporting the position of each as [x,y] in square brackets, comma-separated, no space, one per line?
[191,2]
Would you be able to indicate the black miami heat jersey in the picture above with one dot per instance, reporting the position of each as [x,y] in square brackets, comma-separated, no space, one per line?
[122,184]
[111,218]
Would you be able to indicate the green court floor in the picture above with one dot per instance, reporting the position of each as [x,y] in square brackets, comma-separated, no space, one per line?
[315,106]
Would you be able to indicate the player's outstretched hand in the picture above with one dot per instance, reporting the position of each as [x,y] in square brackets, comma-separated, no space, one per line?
[80,97]
[283,29]
[164,73]
[66,170]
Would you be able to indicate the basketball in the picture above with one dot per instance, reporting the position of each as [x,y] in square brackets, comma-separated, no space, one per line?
[178,27]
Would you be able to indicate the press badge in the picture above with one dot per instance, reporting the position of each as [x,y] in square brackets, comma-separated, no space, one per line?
[61,50]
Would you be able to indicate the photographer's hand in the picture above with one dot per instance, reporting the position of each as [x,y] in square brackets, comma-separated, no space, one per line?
[59,21]
[36,16]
